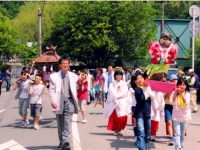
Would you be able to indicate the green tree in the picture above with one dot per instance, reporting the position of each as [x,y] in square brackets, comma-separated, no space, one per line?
[28,54]
[10,9]
[174,9]
[26,21]
[8,40]
[94,32]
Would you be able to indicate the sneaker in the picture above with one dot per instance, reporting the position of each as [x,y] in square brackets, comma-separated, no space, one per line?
[171,143]
[88,103]
[23,124]
[153,139]
[194,111]
[36,127]
[84,121]
[27,122]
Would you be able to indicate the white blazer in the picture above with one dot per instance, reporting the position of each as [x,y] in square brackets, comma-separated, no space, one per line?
[55,90]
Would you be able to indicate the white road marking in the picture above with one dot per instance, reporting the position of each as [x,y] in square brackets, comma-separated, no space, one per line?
[11,145]
[2,110]
[75,134]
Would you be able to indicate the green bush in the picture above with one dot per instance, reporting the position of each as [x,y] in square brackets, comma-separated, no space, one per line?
[3,67]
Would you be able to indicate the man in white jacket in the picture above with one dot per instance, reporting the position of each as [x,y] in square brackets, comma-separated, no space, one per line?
[63,94]
[109,78]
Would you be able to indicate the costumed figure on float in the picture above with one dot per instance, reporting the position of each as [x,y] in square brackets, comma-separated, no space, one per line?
[162,54]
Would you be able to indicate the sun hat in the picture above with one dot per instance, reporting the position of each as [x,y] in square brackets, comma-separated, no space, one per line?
[173,77]
[191,70]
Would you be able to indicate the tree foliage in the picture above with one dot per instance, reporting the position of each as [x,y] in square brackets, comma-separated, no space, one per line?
[174,9]
[8,41]
[95,32]
[27,20]
[10,9]
[9,44]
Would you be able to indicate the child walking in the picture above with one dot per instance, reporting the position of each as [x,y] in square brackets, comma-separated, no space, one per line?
[36,91]
[22,84]
[168,112]
[83,94]
[180,100]
[142,110]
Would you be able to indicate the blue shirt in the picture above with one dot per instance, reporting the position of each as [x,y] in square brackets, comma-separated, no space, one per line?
[1,76]
[109,78]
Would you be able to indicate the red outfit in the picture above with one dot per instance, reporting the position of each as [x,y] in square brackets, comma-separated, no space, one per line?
[154,127]
[99,79]
[83,95]
[116,123]
[156,52]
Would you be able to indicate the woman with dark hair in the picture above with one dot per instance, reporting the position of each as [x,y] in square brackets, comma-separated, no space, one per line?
[142,109]
[117,106]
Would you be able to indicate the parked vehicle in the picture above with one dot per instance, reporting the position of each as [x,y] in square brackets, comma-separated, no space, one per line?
[172,71]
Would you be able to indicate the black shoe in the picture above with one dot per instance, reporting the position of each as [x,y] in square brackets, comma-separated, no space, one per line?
[66,146]
[88,103]
[60,145]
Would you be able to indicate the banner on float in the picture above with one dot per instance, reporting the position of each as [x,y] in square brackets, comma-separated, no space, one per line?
[159,86]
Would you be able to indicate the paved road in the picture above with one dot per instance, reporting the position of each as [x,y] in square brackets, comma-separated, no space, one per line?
[90,136]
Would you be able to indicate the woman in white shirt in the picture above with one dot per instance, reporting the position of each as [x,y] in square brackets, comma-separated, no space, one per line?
[117,106]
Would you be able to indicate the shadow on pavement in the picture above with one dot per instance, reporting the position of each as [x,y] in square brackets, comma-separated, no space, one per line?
[194,124]
[101,126]
[96,113]
[103,134]
[42,147]
[44,123]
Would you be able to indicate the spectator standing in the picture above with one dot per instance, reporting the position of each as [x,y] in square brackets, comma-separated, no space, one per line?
[127,75]
[8,79]
[2,78]
[194,84]
[109,78]
[136,67]
[89,82]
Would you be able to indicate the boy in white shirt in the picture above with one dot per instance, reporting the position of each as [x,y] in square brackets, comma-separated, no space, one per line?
[36,91]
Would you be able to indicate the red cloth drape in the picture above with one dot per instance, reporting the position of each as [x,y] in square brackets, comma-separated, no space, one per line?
[154,127]
[116,123]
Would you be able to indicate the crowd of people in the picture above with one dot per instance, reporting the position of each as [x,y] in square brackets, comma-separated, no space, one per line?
[124,93]
[121,94]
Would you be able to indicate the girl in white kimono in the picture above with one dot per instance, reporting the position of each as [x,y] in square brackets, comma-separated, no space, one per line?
[117,106]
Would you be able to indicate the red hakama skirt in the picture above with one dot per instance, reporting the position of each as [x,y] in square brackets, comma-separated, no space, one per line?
[116,123]
[154,127]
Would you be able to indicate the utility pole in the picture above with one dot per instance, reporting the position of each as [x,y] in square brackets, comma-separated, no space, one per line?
[40,31]
[163,15]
